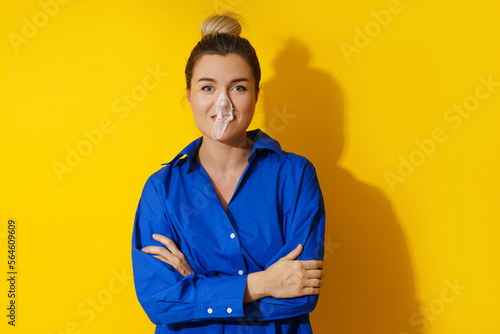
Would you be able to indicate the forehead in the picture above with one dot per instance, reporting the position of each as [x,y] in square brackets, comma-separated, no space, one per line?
[222,68]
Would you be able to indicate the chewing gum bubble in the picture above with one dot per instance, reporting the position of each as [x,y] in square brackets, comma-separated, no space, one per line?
[224,116]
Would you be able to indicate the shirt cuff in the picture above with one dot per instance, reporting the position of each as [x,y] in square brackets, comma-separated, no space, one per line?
[222,297]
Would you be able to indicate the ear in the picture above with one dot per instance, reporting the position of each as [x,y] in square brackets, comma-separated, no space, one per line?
[257,95]
[188,94]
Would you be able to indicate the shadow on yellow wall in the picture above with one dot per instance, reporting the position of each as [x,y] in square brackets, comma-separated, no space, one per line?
[369,284]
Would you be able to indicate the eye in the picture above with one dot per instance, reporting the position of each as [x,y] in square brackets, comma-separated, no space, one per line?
[239,88]
[207,88]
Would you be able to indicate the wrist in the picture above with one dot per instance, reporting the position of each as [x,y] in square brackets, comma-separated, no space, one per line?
[257,287]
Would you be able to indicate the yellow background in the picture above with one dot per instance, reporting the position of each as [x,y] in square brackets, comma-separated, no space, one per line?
[392,249]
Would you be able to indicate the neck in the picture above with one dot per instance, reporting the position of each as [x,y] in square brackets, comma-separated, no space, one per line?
[224,156]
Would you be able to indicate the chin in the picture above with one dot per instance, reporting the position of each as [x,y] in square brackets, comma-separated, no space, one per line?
[231,135]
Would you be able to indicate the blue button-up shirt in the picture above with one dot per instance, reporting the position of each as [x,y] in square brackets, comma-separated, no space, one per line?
[276,206]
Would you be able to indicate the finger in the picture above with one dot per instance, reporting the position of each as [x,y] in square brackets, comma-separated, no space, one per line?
[315,274]
[154,250]
[295,253]
[168,261]
[310,291]
[159,251]
[171,246]
[161,258]
[312,264]
[314,283]
[149,250]
[162,239]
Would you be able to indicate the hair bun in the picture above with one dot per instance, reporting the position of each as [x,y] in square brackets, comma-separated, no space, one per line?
[226,23]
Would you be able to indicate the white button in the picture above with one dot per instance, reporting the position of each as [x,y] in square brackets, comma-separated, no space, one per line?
[232,235]
[240,272]
[210,311]
[229,310]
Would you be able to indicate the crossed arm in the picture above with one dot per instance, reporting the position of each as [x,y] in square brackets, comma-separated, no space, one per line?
[287,278]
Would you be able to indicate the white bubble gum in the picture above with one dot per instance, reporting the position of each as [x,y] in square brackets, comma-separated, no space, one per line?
[224,116]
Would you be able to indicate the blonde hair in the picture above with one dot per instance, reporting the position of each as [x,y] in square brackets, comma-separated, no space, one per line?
[227,23]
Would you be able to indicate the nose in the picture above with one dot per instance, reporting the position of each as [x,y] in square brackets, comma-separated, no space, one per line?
[224,106]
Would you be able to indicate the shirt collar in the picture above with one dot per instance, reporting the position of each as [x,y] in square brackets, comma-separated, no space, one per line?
[261,140]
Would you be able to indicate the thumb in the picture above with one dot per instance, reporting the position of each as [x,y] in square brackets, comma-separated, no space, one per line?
[294,254]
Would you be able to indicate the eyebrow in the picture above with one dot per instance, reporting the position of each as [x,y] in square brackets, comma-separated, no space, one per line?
[232,81]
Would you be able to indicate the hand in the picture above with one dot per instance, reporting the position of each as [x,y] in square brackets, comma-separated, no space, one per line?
[290,278]
[171,254]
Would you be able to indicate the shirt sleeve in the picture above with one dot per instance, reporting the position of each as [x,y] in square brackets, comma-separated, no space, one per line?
[304,224]
[165,295]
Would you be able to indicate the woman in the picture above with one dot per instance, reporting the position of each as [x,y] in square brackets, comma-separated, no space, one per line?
[228,236]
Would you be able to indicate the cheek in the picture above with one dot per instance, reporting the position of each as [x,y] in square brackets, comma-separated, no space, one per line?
[246,106]
[201,105]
